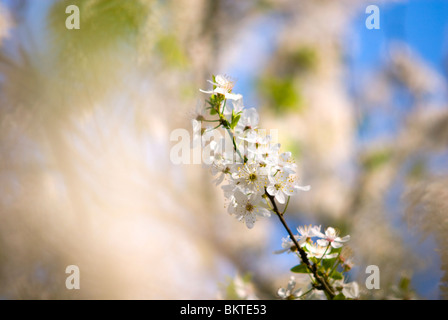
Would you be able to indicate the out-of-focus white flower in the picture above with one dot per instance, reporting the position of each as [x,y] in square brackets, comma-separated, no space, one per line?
[199,112]
[236,107]
[197,132]
[289,293]
[350,290]
[221,168]
[287,245]
[256,140]
[248,121]
[316,295]
[243,289]
[331,237]
[229,190]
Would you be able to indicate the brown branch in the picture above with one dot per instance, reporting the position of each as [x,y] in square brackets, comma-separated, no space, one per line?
[323,284]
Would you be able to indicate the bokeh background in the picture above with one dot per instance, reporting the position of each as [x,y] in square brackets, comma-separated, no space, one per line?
[85,122]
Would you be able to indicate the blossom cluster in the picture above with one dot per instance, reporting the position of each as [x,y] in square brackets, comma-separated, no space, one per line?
[252,166]
[327,251]
[321,248]
[293,292]
[256,177]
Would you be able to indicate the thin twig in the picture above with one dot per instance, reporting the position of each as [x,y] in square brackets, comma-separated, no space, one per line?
[323,285]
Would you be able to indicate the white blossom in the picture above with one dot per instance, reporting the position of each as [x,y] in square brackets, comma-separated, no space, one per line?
[319,252]
[290,293]
[331,237]
[247,208]
[307,232]
[350,290]
[252,177]
[280,186]
[248,121]
[223,85]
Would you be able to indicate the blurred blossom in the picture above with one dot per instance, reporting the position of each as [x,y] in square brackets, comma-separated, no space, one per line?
[5,22]
[85,123]
[427,211]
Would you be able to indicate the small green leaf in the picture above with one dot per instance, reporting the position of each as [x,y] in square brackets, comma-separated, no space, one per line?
[328,263]
[300,268]
[214,81]
[337,275]
[339,297]
[235,119]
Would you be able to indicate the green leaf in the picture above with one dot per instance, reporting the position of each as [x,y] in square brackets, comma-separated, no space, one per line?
[300,268]
[339,297]
[214,81]
[235,119]
[337,275]
[314,260]
[328,263]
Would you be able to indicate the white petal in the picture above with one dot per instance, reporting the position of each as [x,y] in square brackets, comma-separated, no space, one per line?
[233,96]
[250,220]
[303,188]
[315,232]
[240,197]
[336,245]
[282,293]
[263,212]
[251,117]
[280,197]
[319,234]
[237,105]
[351,290]
[322,243]
[231,208]
[219,179]
[330,232]
[291,284]
[271,190]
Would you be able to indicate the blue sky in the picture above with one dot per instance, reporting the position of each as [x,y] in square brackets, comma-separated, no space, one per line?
[422,24]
